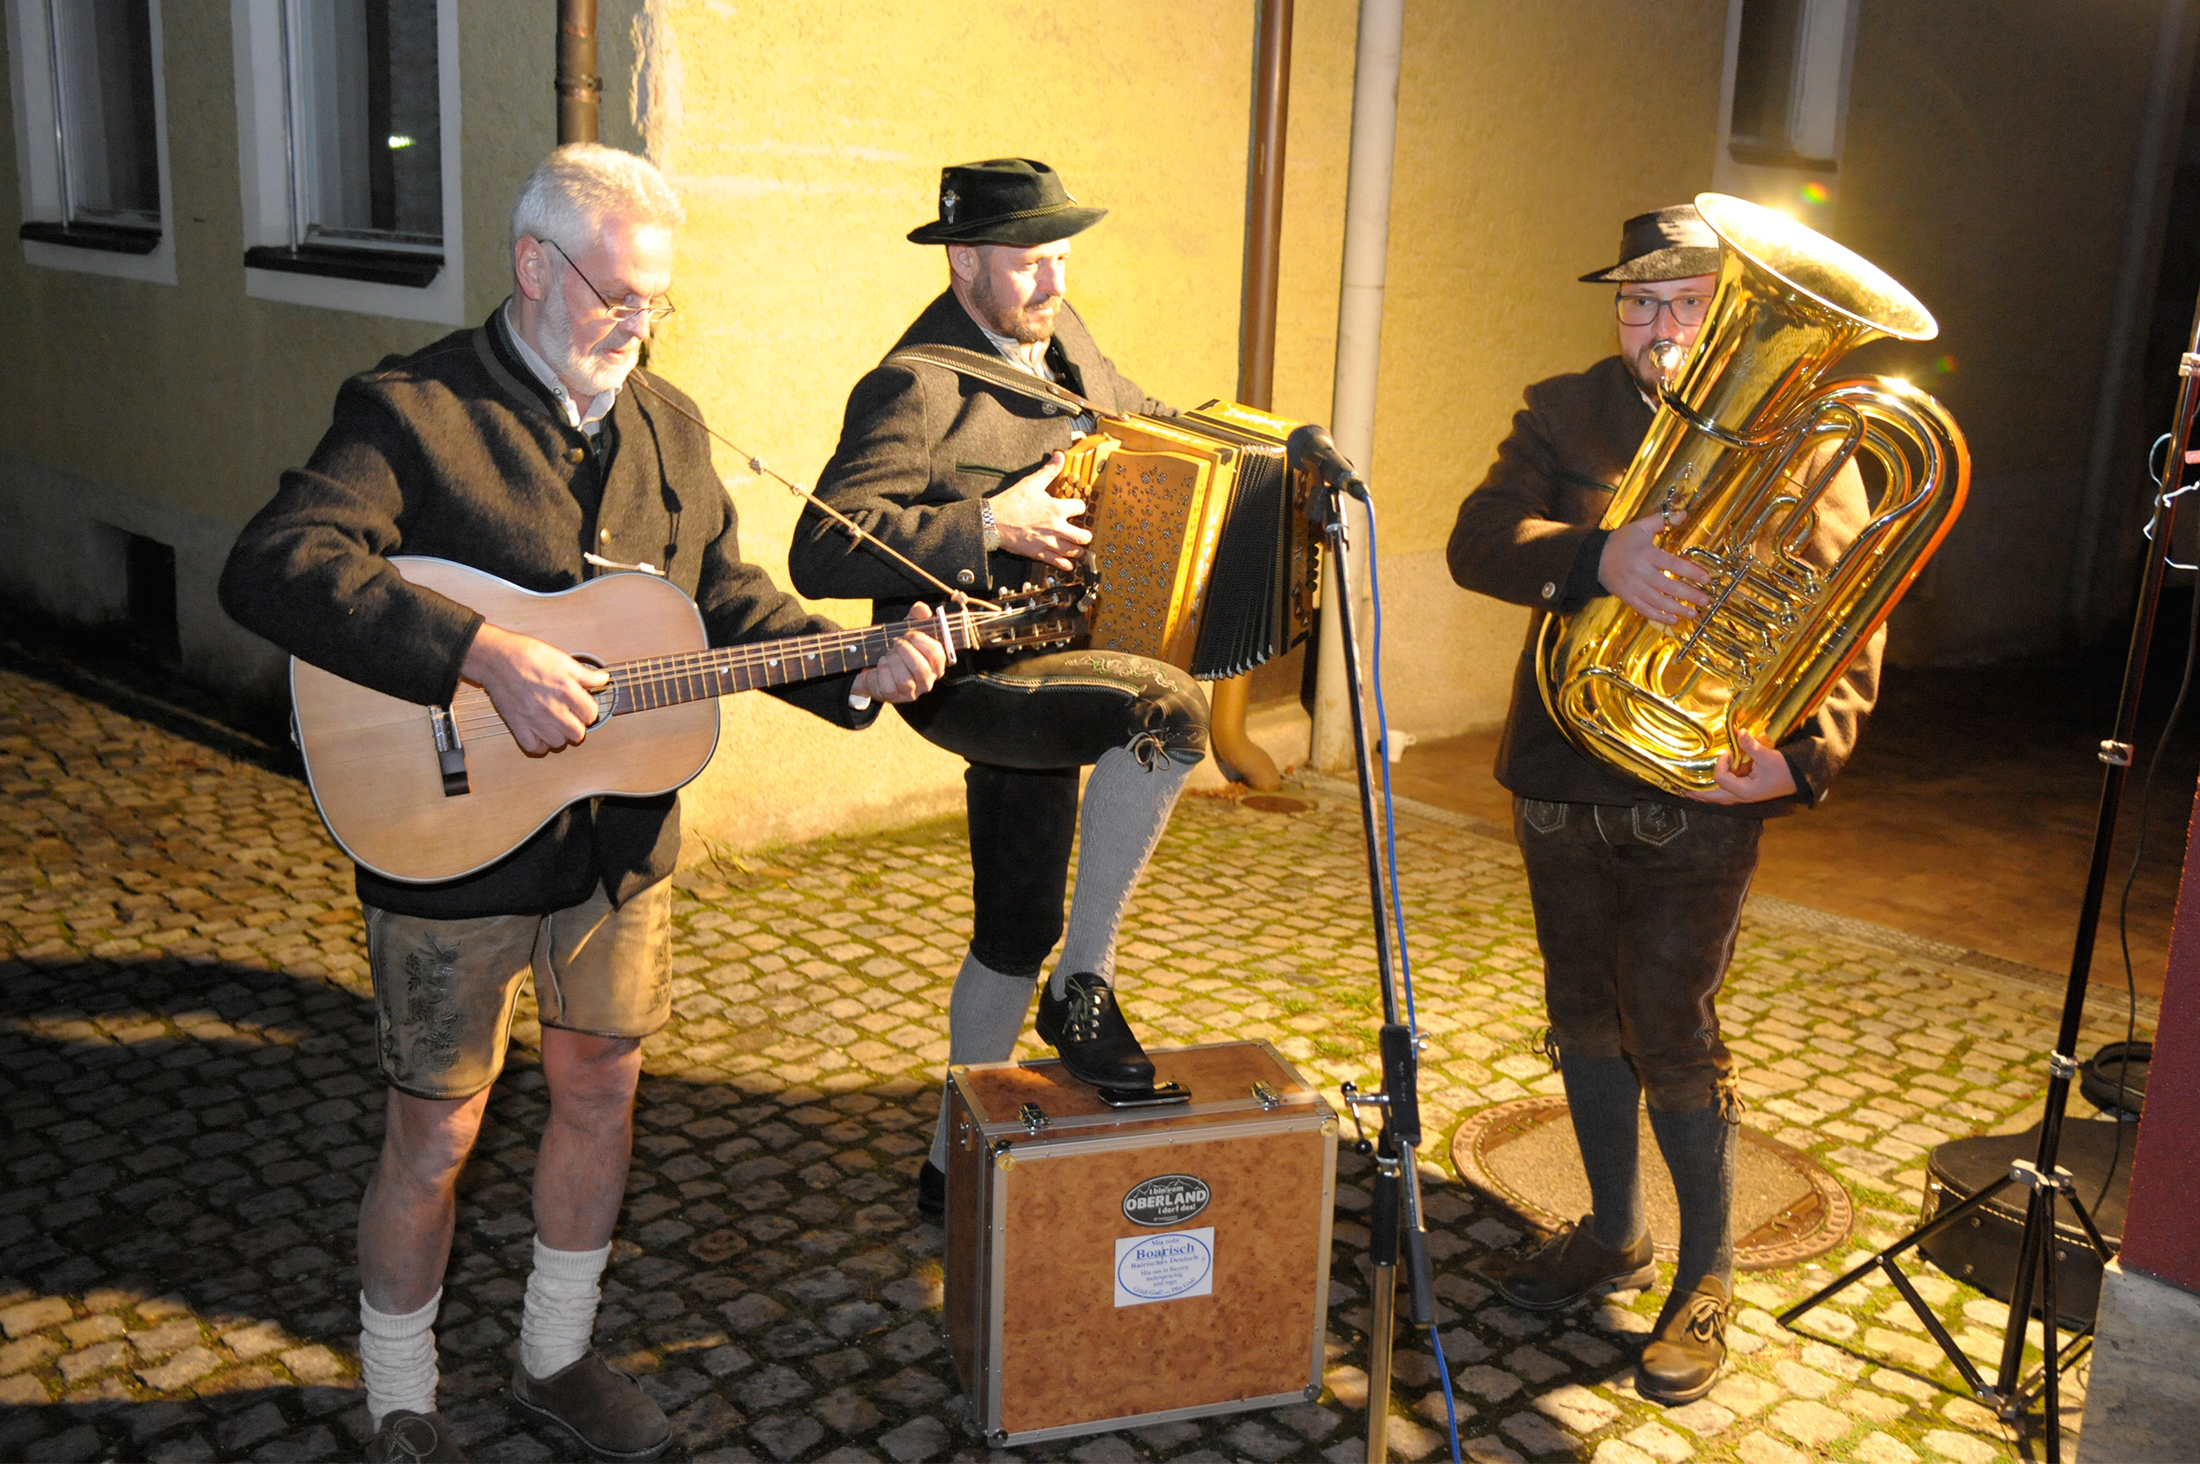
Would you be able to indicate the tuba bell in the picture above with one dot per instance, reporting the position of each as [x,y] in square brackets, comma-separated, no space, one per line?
[1745,443]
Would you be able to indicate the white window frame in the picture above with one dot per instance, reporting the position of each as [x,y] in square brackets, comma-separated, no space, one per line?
[264,160]
[38,171]
[1819,113]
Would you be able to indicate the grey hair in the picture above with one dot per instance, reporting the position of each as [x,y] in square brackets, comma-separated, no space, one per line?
[568,197]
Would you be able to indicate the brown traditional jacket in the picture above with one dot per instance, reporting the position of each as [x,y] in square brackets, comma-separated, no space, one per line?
[1529,535]
[458,452]
[922,444]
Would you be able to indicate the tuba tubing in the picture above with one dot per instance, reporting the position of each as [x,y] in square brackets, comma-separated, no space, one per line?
[1746,444]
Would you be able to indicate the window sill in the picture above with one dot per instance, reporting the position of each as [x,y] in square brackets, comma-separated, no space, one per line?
[371,266]
[107,238]
[1770,155]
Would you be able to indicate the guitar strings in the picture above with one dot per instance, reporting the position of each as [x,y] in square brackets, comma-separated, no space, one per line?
[664,672]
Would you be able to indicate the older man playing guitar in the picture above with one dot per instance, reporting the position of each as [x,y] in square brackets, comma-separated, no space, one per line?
[514,448]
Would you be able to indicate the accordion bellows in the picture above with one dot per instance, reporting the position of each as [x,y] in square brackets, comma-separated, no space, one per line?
[1202,555]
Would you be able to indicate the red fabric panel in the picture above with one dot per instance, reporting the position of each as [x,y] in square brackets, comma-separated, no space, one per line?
[2162,1235]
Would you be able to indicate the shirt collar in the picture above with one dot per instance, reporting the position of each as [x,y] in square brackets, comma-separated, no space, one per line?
[589,419]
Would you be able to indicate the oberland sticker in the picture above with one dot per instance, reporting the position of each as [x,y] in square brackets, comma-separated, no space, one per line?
[1164,1267]
[1166,1199]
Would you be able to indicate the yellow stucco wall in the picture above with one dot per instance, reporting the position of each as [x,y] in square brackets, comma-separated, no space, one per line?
[809,142]
[1526,134]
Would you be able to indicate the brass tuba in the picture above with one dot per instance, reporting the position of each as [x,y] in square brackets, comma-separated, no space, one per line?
[1746,442]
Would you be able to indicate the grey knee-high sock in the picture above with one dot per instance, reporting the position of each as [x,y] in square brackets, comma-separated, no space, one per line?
[1602,1094]
[1126,807]
[1699,1149]
[985,1016]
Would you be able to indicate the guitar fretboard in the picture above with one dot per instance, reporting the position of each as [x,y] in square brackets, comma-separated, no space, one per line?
[665,681]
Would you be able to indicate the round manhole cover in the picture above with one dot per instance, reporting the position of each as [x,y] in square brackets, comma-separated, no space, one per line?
[1786,1209]
[1274,803]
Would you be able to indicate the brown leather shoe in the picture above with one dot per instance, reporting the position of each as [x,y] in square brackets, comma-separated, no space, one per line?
[1573,1264]
[406,1437]
[597,1404]
[1683,1359]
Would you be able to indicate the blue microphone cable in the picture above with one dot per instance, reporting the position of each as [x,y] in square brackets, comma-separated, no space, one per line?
[1398,915]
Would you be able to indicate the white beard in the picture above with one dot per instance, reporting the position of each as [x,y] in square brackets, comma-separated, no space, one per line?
[555,326]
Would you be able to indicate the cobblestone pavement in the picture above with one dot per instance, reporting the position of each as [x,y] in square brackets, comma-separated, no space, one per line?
[185,1046]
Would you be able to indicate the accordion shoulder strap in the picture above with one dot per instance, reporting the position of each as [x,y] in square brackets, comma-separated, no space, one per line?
[994,371]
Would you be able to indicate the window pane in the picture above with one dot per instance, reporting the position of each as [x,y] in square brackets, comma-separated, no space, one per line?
[1764,70]
[370,143]
[103,55]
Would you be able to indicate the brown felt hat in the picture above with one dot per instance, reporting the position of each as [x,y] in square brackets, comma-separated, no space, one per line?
[1668,244]
[1005,201]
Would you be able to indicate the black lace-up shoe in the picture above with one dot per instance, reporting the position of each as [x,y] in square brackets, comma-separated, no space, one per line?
[931,1190]
[1088,1029]
[406,1437]
[1683,1359]
[1573,1264]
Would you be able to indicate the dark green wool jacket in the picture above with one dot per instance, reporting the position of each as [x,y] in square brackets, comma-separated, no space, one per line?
[457,451]
[921,445]
[1528,534]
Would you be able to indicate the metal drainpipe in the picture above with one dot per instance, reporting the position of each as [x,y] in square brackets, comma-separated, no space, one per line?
[1359,336]
[580,85]
[1257,331]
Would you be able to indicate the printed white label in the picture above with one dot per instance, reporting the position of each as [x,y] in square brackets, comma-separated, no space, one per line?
[1166,1267]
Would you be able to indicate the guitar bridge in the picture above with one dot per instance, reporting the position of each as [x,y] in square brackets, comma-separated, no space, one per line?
[450,752]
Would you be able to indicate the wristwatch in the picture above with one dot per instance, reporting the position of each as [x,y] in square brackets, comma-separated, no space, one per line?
[988,531]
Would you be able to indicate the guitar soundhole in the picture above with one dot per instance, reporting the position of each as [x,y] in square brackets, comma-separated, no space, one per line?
[607,700]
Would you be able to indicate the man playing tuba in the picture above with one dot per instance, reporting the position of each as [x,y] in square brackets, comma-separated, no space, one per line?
[1637,891]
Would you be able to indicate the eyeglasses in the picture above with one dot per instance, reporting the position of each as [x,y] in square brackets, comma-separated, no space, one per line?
[618,310]
[1640,310]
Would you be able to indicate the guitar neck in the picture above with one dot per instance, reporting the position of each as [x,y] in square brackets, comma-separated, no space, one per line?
[665,681]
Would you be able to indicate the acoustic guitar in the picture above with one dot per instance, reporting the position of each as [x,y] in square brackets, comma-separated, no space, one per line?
[420,794]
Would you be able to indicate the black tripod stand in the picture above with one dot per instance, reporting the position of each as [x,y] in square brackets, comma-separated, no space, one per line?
[1395,1215]
[2047,1184]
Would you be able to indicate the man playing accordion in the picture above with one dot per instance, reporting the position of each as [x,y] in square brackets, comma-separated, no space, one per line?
[953,473]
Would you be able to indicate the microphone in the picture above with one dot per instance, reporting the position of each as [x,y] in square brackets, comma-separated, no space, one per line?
[1314,444]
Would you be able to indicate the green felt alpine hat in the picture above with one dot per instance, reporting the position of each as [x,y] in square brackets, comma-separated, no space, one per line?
[1005,201]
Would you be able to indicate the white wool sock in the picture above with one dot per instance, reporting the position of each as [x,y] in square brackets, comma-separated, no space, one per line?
[560,1315]
[397,1358]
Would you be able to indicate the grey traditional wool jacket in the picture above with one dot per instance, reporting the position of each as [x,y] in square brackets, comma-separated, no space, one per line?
[921,445]
[458,452]
[1528,534]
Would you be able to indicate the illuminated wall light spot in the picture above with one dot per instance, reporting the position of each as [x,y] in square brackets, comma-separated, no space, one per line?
[1946,365]
[398,140]
[1816,194]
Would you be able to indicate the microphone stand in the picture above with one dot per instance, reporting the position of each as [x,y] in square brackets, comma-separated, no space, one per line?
[1396,1213]
[2047,1184]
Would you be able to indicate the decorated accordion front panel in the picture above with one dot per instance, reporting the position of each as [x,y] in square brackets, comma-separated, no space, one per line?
[1201,553]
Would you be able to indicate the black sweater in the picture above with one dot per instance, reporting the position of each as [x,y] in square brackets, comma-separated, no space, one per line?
[457,451]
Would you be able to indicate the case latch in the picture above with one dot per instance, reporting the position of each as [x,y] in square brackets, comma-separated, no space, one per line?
[1035,1121]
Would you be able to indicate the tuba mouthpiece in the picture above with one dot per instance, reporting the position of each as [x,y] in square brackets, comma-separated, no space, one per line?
[1667,357]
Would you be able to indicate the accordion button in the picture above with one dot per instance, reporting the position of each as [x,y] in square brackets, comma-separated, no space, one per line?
[1550,589]
[965,577]
[1053,410]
